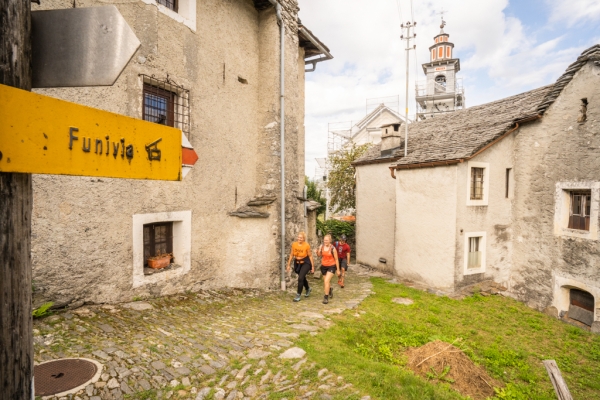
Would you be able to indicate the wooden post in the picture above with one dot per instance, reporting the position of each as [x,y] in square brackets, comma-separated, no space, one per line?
[560,386]
[16,340]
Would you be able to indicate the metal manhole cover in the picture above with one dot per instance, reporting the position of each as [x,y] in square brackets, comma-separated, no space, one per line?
[62,375]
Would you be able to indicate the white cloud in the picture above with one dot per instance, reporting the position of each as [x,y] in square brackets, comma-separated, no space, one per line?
[499,55]
[573,12]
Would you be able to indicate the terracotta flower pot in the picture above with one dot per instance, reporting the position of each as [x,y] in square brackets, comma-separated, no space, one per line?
[160,262]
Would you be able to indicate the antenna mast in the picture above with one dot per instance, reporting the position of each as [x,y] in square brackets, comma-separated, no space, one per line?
[407,35]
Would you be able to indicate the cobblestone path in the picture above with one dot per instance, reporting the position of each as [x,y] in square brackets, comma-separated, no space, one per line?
[215,344]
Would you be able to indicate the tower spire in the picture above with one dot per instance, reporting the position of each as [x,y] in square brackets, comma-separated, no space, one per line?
[443,24]
[442,92]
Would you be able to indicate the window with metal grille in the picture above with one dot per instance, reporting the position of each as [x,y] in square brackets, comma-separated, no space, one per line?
[158,239]
[477,183]
[167,103]
[170,4]
[474,261]
[579,216]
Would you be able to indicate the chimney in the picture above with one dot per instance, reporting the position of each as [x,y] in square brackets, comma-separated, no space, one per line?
[390,139]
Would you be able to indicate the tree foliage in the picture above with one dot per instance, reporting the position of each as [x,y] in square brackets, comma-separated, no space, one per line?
[314,193]
[336,228]
[341,177]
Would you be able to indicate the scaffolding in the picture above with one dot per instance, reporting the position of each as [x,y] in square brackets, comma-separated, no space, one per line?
[338,135]
[440,92]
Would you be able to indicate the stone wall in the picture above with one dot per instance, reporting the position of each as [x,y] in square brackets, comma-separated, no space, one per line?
[82,242]
[556,151]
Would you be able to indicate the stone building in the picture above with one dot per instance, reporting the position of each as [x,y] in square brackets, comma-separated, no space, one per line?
[505,191]
[210,68]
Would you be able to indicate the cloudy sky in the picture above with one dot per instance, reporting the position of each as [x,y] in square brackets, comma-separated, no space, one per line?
[505,47]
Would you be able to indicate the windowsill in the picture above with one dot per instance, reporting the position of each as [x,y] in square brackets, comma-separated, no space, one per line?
[477,203]
[474,271]
[152,271]
[577,233]
[182,242]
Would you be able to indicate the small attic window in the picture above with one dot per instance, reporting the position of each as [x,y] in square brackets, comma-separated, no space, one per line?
[242,80]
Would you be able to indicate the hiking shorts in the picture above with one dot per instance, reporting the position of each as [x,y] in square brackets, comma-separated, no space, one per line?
[344,264]
[325,270]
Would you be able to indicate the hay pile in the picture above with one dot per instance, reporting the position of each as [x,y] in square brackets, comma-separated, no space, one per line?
[443,362]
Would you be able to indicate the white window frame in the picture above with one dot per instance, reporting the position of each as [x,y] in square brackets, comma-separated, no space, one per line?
[562,207]
[486,183]
[186,12]
[482,248]
[182,245]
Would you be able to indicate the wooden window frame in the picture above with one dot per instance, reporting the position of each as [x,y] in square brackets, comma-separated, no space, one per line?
[579,209]
[150,243]
[475,193]
[150,90]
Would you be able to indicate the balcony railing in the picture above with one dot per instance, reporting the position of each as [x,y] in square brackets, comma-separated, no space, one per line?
[425,99]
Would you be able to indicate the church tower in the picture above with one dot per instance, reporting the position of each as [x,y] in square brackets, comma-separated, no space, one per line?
[441,92]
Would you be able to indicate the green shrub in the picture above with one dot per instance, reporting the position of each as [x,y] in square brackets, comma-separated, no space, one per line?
[42,310]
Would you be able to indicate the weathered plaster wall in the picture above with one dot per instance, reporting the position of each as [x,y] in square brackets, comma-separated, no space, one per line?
[82,227]
[495,218]
[375,216]
[426,204]
[556,149]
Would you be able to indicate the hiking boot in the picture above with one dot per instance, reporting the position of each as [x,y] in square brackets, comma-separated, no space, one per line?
[298,297]
[308,292]
[325,299]
[331,293]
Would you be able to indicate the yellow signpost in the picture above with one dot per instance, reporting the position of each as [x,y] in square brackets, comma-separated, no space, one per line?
[43,135]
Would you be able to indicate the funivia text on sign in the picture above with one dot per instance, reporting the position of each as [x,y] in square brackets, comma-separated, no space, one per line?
[98,146]
[43,135]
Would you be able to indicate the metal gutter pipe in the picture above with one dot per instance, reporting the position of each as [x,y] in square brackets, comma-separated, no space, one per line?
[324,57]
[282,133]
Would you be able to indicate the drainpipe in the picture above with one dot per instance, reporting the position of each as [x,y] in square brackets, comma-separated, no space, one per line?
[282,133]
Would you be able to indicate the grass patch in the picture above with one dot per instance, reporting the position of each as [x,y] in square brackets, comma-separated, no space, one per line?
[504,336]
